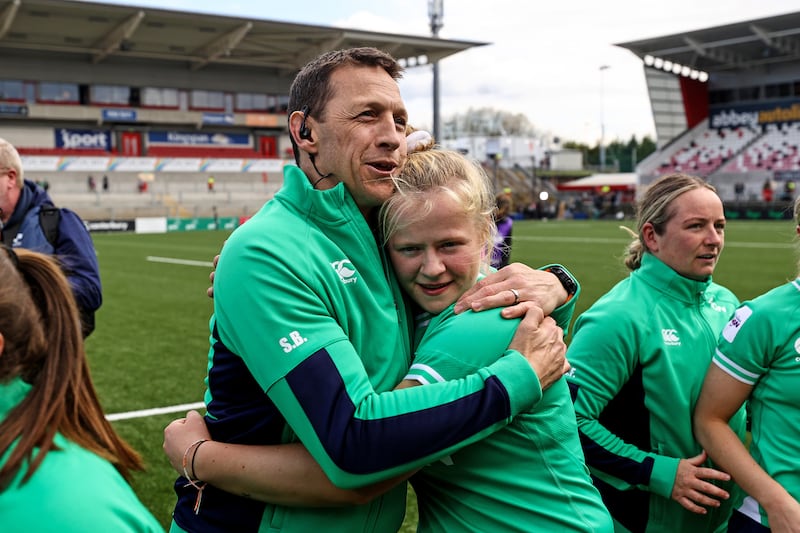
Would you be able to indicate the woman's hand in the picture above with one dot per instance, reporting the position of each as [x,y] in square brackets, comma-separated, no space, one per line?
[210,290]
[691,489]
[180,434]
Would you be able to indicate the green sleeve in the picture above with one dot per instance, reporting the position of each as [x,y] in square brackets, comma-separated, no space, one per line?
[326,356]
[603,354]
[563,314]
[379,419]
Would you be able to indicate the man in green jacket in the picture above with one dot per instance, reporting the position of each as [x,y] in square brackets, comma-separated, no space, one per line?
[310,326]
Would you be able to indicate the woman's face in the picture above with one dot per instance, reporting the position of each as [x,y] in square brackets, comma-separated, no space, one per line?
[693,238]
[437,258]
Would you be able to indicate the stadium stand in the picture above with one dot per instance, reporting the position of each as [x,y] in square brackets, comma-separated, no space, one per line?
[726,105]
[169,194]
[182,151]
[708,151]
[160,100]
[776,149]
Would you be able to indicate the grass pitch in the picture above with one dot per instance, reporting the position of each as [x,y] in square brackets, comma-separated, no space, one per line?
[150,346]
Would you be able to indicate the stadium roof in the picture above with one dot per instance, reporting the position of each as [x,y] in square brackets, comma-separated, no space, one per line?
[102,31]
[743,45]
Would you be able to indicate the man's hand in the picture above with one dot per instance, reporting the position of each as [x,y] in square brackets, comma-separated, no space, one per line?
[541,341]
[180,434]
[536,286]
[691,489]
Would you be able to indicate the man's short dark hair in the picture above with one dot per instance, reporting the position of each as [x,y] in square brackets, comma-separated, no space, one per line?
[311,87]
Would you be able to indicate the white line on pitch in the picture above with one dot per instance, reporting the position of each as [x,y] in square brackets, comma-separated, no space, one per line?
[182,408]
[174,261]
[601,240]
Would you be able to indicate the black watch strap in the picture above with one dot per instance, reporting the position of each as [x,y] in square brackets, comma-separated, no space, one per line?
[566,280]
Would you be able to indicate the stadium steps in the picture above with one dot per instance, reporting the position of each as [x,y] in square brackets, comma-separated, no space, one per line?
[172,204]
[723,167]
[517,181]
[176,199]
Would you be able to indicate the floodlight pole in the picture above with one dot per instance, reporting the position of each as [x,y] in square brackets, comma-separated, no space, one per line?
[603,68]
[436,13]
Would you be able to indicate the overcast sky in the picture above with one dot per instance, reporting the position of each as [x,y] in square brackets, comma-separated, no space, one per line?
[544,58]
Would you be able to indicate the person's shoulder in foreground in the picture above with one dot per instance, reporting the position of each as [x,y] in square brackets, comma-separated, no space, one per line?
[76,490]
[63,465]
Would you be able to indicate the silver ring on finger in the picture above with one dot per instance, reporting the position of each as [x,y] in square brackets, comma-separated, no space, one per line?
[515,292]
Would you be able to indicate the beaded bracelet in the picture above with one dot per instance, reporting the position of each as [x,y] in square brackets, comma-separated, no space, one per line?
[190,478]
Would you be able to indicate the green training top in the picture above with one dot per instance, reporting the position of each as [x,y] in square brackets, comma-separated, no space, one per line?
[309,335]
[760,346]
[72,491]
[639,356]
[530,475]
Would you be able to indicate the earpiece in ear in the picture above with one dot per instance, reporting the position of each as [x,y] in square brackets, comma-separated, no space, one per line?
[305,131]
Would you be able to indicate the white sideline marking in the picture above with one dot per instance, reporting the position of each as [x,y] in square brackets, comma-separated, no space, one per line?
[173,408]
[595,240]
[174,261]
[156,411]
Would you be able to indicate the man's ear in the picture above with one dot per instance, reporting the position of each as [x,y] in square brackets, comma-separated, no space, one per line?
[2,344]
[12,178]
[299,122]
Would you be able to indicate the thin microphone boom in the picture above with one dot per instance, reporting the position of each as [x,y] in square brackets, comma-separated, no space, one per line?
[321,175]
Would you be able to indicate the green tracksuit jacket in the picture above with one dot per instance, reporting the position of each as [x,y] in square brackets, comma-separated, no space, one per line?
[639,356]
[309,329]
[530,475]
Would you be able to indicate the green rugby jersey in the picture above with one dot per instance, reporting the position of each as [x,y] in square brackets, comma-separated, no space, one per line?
[530,475]
[639,356]
[72,491]
[760,346]
[308,338]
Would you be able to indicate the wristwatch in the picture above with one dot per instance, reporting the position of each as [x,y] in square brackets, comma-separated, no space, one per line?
[567,281]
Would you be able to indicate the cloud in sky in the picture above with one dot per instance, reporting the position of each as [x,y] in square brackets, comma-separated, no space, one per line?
[544,58]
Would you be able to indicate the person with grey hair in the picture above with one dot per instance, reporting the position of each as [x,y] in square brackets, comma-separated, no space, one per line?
[756,363]
[29,219]
[639,356]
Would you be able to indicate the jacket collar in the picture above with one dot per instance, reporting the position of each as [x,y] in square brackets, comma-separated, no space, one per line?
[664,279]
[332,206]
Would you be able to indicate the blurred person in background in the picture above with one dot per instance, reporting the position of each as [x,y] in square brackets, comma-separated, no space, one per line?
[501,249]
[756,362]
[767,190]
[28,219]
[639,356]
[62,466]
